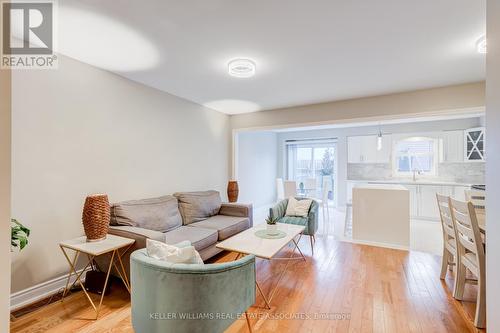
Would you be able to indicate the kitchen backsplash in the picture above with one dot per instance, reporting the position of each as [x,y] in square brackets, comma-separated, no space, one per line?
[467,172]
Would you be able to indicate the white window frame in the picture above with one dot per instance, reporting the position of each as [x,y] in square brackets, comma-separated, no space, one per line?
[435,155]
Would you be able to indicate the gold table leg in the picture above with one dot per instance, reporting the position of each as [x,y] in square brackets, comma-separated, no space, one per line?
[72,271]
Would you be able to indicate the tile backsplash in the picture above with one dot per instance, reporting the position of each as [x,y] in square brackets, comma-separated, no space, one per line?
[467,172]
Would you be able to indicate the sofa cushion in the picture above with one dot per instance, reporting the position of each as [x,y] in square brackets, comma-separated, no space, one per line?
[160,214]
[226,226]
[197,206]
[200,238]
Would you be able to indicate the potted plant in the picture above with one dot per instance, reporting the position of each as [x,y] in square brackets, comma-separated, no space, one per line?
[19,235]
[272,227]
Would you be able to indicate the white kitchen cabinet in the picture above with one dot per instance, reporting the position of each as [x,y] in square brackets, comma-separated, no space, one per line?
[384,154]
[427,205]
[354,154]
[474,144]
[453,146]
[363,149]
[413,199]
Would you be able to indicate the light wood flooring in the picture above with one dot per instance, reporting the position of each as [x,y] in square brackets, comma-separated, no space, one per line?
[379,290]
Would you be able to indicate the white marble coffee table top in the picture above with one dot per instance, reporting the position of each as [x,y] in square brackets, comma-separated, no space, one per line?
[247,242]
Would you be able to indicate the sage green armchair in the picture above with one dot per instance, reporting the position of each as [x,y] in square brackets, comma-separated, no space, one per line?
[190,298]
[310,222]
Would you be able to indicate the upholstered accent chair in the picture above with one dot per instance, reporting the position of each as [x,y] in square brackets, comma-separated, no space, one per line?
[189,298]
[310,222]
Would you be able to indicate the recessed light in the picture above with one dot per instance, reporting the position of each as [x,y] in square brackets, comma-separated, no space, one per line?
[241,67]
[481,44]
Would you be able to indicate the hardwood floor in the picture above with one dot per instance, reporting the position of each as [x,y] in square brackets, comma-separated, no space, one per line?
[360,288]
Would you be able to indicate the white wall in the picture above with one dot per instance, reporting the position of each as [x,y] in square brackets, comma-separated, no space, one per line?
[5,174]
[256,167]
[341,135]
[492,166]
[79,130]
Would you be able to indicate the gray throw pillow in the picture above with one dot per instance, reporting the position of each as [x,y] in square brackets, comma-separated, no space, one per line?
[160,214]
[198,206]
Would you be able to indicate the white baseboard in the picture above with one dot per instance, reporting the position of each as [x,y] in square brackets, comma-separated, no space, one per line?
[378,244]
[40,291]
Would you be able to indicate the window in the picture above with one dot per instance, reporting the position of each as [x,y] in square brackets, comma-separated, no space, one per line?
[415,154]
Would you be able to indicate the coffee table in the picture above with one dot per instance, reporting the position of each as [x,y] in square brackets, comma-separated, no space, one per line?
[247,242]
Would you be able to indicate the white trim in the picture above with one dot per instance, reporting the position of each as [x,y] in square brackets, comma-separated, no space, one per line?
[40,291]
[375,120]
[377,244]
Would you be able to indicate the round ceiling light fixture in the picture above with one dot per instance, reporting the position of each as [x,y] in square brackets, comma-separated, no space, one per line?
[481,44]
[241,67]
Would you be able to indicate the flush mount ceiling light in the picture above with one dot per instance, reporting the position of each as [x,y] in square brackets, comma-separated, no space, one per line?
[241,67]
[481,44]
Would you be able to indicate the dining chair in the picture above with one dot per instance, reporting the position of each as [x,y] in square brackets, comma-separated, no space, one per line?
[478,199]
[310,184]
[323,202]
[450,257]
[280,190]
[348,219]
[470,250]
[290,188]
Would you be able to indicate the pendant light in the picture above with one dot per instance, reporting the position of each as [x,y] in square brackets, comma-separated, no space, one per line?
[379,138]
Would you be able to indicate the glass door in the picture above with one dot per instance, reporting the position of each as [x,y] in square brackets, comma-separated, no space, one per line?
[312,165]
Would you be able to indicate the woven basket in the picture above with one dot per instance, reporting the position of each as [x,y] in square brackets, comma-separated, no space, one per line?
[232,191]
[96,217]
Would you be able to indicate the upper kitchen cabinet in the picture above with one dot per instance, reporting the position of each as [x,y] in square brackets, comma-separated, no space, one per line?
[474,144]
[452,146]
[363,149]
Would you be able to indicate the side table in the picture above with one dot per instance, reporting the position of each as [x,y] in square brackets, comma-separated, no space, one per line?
[114,246]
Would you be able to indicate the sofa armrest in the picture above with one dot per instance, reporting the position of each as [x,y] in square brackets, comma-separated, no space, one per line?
[237,209]
[278,211]
[138,234]
[312,218]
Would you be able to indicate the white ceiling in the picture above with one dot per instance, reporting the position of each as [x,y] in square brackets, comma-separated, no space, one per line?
[306,51]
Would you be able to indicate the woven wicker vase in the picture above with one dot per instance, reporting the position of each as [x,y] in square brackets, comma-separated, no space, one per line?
[96,217]
[232,191]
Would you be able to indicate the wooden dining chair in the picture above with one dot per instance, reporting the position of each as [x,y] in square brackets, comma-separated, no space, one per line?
[450,257]
[471,253]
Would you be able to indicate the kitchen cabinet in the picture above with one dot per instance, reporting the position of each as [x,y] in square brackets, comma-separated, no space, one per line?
[452,146]
[474,144]
[427,202]
[426,207]
[363,149]
[413,199]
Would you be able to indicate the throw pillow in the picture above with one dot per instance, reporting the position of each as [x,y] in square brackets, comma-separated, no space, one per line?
[198,206]
[159,214]
[298,207]
[181,253]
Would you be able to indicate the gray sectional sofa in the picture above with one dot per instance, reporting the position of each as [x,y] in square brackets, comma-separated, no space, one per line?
[199,217]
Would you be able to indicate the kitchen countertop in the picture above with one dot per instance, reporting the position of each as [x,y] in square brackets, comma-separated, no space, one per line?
[411,182]
[372,186]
